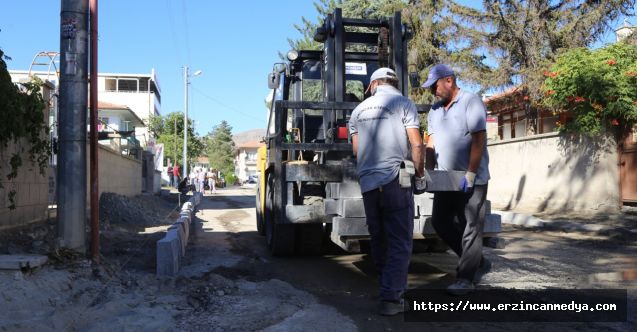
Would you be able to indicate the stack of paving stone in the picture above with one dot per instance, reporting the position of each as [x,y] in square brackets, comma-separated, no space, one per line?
[172,248]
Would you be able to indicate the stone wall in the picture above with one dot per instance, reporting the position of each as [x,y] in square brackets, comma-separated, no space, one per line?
[552,173]
[117,173]
[32,192]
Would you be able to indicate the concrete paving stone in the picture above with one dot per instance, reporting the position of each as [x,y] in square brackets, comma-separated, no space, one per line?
[168,255]
[494,242]
[353,207]
[520,219]
[181,234]
[184,224]
[22,261]
[186,214]
[332,206]
[492,223]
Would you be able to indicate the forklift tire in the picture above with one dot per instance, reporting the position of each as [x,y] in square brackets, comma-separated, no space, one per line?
[260,227]
[279,237]
[309,239]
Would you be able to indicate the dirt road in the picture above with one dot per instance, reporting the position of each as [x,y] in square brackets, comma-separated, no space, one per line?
[532,259]
[229,281]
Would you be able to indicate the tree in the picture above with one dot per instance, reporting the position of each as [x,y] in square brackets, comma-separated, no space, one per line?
[220,150]
[308,27]
[598,88]
[524,37]
[163,127]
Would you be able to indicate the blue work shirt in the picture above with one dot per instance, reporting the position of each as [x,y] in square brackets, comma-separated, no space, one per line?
[451,131]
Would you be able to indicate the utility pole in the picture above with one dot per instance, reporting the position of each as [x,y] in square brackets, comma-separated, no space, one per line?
[186,83]
[175,154]
[72,124]
[95,188]
[185,162]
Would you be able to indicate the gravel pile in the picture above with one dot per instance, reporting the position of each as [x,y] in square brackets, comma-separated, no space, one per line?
[135,212]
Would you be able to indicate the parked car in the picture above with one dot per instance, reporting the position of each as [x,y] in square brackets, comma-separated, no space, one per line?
[253,179]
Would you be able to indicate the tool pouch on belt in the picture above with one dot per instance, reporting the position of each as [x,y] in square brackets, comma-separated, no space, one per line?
[406,173]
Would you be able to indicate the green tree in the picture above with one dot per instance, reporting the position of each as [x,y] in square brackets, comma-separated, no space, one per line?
[599,88]
[220,150]
[169,130]
[308,27]
[524,37]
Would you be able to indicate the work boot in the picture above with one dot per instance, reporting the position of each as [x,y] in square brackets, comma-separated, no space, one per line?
[484,268]
[391,308]
[461,287]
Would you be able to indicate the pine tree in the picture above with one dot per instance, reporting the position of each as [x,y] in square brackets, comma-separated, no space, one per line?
[220,150]
[163,127]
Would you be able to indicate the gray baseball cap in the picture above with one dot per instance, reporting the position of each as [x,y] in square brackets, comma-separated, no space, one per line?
[437,72]
[383,72]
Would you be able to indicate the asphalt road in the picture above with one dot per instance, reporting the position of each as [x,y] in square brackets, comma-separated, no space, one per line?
[532,259]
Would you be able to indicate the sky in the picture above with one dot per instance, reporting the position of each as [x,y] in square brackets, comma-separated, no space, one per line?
[234,44]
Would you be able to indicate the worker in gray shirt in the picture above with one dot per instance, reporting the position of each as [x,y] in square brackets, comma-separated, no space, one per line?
[385,132]
[457,141]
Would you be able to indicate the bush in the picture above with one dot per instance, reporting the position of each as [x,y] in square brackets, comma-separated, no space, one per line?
[598,88]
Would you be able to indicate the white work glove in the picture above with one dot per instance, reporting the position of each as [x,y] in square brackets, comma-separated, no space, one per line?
[466,185]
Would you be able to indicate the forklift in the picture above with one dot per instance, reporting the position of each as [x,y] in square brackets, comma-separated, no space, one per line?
[308,192]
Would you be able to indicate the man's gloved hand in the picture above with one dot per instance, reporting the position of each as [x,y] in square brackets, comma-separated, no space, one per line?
[420,184]
[466,185]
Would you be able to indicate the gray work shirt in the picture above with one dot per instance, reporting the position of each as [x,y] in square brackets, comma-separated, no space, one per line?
[451,131]
[380,122]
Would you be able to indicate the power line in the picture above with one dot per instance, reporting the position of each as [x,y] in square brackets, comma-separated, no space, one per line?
[185,17]
[226,106]
[171,21]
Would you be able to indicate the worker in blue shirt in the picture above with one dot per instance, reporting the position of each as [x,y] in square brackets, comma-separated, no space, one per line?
[457,127]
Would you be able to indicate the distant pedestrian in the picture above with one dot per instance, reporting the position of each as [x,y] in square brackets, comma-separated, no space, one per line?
[176,175]
[192,177]
[171,176]
[210,176]
[201,180]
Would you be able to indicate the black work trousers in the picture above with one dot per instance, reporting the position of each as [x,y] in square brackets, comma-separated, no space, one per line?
[389,211]
[457,219]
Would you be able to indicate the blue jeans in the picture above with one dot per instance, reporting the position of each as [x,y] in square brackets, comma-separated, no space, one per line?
[389,210]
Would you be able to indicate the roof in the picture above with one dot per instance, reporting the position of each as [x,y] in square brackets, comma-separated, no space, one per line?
[508,92]
[106,106]
[110,106]
[251,145]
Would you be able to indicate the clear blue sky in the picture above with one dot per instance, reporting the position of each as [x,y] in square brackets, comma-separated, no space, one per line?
[234,43]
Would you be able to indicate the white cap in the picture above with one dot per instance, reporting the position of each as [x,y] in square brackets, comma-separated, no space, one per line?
[383,72]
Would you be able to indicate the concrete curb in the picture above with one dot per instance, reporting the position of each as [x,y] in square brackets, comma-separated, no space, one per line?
[529,221]
[519,219]
[172,248]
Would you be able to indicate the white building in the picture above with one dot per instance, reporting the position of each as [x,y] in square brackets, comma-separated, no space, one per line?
[140,93]
[625,31]
[245,162]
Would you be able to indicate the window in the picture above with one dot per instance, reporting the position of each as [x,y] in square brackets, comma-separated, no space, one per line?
[126,126]
[129,85]
[143,84]
[110,84]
